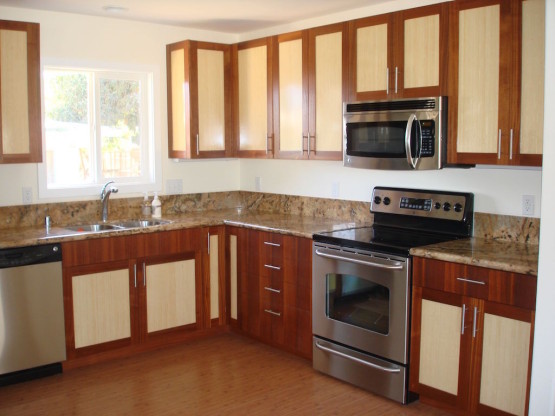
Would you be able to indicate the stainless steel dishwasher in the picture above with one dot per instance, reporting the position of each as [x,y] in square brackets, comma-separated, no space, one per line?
[32,334]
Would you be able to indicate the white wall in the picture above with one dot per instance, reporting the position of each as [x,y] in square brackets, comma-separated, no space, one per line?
[542,397]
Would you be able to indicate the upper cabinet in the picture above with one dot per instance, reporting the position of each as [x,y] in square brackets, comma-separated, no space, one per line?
[398,55]
[497,78]
[309,90]
[199,100]
[252,80]
[20,116]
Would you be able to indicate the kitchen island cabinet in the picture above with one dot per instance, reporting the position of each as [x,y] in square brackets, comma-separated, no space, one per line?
[272,274]
[129,293]
[20,114]
[471,337]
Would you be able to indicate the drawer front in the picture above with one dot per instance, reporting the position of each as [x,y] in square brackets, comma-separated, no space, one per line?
[271,254]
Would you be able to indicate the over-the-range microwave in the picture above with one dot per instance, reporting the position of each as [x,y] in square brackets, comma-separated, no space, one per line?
[408,134]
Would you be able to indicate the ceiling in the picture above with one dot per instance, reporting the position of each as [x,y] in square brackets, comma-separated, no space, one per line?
[231,16]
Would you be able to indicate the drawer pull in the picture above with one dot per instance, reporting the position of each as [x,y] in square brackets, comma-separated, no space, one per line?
[272,244]
[269,266]
[476,282]
[271,312]
[270,289]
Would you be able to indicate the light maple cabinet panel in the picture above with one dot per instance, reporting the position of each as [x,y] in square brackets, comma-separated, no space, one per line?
[422,39]
[440,346]
[533,77]
[101,307]
[199,99]
[170,295]
[372,72]
[233,275]
[20,110]
[214,277]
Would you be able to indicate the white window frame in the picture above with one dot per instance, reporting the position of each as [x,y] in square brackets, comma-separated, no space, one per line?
[151,180]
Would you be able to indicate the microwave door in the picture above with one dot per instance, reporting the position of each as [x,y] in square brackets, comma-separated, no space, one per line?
[413,141]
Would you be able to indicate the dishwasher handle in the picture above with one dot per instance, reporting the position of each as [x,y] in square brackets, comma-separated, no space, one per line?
[26,256]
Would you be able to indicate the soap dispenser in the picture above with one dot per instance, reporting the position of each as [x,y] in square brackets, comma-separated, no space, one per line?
[146,210]
[156,206]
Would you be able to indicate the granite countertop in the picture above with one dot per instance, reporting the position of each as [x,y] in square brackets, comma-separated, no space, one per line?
[300,226]
[494,254]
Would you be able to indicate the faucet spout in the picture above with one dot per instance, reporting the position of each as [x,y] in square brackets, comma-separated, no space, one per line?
[104,198]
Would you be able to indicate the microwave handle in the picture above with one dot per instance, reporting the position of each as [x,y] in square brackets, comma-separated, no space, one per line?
[412,161]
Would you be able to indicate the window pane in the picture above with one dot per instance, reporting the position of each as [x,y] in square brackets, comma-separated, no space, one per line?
[120,128]
[67,128]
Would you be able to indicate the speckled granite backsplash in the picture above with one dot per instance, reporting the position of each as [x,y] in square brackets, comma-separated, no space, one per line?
[501,227]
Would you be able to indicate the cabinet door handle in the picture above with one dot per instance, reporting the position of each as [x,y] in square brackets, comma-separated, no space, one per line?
[476,282]
[197,145]
[474,324]
[387,81]
[511,146]
[462,320]
[269,266]
[268,243]
[499,145]
[272,312]
[144,274]
[267,140]
[135,273]
[396,76]
[209,243]
[270,289]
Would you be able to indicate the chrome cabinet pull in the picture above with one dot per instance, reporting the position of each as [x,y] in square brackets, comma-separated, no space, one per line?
[396,76]
[208,243]
[474,324]
[135,273]
[271,312]
[268,243]
[511,146]
[197,145]
[267,140]
[476,282]
[387,81]
[302,143]
[463,317]
[270,289]
[269,266]
[144,274]
[499,146]
[358,360]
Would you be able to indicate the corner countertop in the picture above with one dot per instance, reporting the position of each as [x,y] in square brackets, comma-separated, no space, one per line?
[494,254]
[300,226]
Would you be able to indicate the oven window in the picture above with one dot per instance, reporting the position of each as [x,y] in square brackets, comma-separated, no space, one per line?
[358,302]
[378,139]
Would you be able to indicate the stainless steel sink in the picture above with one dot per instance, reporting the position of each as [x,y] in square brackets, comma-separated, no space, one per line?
[93,228]
[141,223]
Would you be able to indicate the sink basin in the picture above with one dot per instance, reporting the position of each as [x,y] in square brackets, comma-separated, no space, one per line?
[141,223]
[93,228]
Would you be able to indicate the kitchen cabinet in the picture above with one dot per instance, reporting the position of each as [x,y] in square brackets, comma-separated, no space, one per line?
[472,333]
[271,277]
[216,290]
[399,55]
[253,98]
[199,100]
[129,292]
[496,62]
[310,88]
[20,109]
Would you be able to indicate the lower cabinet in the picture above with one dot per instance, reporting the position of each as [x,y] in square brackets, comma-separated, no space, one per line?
[270,288]
[472,332]
[133,291]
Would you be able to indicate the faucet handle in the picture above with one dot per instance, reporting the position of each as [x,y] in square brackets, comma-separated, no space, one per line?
[103,191]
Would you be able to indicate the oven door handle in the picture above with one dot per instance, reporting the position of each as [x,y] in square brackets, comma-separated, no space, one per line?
[358,360]
[394,266]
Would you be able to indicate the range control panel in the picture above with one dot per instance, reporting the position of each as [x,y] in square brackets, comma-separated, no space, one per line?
[422,203]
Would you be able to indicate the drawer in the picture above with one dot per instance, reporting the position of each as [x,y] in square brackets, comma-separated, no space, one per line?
[271,250]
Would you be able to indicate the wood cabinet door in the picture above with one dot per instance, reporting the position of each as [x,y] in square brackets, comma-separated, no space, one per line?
[253,83]
[481,57]
[441,344]
[328,85]
[20,106]
[215,285]
[291,97]
[502,379]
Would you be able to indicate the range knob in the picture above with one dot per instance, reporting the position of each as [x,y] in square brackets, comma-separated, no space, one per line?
[377,200]
[386,200]
[446,206]
[458,207]
[437,205]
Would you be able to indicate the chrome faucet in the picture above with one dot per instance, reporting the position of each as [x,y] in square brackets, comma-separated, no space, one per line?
[104,196]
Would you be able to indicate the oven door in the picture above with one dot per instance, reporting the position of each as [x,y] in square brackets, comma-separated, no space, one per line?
[361,299]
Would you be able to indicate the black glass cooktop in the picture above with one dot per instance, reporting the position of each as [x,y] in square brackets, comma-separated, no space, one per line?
[381,238]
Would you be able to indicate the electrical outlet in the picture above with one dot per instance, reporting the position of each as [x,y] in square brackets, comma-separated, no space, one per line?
[27,195]
[257,183]
[174,186]
[528,205]
[335,190]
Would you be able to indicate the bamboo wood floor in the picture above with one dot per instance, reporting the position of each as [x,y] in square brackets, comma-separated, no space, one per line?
[223,375]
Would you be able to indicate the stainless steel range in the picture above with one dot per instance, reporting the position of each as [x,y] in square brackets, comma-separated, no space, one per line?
[361,285]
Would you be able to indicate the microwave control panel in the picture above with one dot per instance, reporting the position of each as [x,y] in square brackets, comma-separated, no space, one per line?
[428,138]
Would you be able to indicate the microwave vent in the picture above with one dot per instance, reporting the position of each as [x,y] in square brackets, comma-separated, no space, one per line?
[424,104]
